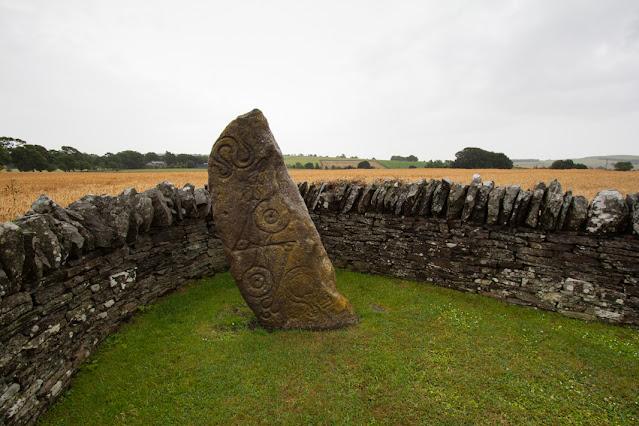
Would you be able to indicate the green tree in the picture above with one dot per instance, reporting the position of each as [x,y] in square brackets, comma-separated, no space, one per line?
[401,158]
[566,164]
[623,166]
[364,165]
[308,165]
[28,158]
[477,158]
[131,159]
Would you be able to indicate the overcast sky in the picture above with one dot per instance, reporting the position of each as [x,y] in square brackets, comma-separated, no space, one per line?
[533,79]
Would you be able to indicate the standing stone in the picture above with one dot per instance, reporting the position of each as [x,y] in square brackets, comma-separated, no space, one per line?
[274,250]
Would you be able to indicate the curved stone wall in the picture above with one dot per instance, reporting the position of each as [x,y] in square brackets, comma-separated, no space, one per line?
[71,276]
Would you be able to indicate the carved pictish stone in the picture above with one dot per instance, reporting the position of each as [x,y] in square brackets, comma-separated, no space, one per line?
[275,253]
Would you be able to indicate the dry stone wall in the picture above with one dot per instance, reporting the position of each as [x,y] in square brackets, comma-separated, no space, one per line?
[71,276]
[541,248]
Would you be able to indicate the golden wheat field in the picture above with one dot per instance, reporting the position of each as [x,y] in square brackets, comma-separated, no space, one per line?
[19,190]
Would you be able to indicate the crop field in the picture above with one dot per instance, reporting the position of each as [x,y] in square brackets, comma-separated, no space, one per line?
[19,190]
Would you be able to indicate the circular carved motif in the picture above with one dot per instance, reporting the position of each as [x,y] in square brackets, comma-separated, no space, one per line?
[270,217]
[257,281]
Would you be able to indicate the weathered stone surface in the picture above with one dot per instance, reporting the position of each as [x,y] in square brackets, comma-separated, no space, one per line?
[423,207]
[532,218]
[413,197]
[340,195]
[520,208]
[551,206]
[577,213]
[481,204]
[456,199]
[350,200]
[45,205]
[186,195]
[471,195]
[495,202]
[203,201]
[12,253]
[632,201]
[563,214]
[391,197]
[440,196]
[402,196]
[378,197]
[509,202]
[162,214]
[275,253]
[303,187]
[364,204]
[608,212]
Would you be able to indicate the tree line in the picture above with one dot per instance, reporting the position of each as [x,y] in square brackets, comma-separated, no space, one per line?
[28,157]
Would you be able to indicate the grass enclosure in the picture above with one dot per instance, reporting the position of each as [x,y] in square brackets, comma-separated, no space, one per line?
[421,354]
[19,190]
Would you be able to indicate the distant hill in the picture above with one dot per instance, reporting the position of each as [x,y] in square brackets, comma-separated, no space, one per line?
[603,161]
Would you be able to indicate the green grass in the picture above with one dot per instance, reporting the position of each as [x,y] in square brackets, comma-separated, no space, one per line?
[422,354]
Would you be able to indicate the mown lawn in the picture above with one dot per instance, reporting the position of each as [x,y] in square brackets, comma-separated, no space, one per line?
[421,354]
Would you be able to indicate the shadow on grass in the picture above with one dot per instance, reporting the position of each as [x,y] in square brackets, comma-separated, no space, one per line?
[420,354]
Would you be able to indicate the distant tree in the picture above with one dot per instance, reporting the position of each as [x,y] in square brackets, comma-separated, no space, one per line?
[299,165]
[151,156]
[131,159]
[364,165]
[437,164]
[400,158]
[28,158]
[317,166]
[308,165]
[412,167]
[169,158]
[477,158]
[623,166]
[566,164]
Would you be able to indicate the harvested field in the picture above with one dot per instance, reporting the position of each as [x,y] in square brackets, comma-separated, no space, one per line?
[19,190]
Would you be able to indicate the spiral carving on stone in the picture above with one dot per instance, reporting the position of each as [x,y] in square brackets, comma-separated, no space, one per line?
[258,281]
[229,153]
[270,216]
